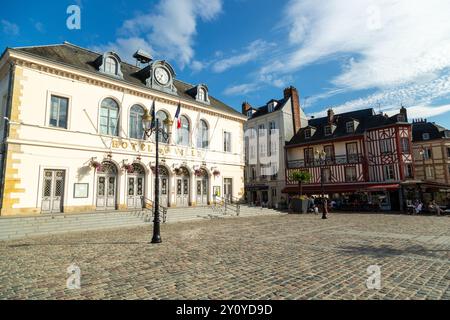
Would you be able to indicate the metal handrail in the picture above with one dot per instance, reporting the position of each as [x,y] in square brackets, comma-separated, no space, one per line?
[148,204]
[227,203]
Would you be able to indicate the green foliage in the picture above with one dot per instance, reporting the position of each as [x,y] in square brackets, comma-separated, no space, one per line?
[301,176]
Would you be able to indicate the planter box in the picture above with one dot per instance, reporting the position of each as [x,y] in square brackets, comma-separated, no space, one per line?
[299,206]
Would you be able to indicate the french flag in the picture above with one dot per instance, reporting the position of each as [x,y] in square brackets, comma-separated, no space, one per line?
[177,116]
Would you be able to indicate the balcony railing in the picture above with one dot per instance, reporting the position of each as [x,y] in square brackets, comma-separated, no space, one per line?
[330,161]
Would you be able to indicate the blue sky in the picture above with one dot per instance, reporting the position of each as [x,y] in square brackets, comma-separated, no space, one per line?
[345,54]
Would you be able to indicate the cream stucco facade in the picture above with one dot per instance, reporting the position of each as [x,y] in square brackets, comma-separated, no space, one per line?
[34,149]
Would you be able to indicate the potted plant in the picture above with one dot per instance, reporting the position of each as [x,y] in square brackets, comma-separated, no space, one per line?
[216,173]
[128,168]
[300,203]
[96,165]
[198,173]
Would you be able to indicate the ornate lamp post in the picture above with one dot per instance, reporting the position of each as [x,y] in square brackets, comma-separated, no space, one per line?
[322,156]
[151,126]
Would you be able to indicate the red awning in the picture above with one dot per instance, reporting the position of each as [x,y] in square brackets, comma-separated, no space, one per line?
[338,188]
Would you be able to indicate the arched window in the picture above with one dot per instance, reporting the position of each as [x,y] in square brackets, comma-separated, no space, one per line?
[162,119]
[111,65]
[109,117]
[183,132]
[203,135]
[136,126]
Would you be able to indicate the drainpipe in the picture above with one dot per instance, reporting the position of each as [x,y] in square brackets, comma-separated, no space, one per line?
[4,148]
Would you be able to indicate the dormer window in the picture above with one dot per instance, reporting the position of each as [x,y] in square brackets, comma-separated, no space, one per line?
[307,133]
[202,94]
[401,118]
[426,136]
[271,106]
[447,133]
[110,64]
[350,126]
[249,113]
[328,131]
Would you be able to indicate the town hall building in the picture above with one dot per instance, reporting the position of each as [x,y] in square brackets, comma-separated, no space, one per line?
[72,134]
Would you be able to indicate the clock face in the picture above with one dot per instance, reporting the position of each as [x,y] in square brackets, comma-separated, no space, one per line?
[162,76]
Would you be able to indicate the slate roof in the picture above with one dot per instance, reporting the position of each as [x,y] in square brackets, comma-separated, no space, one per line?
[366,118]
[84,59]
[260,111]
[435,131]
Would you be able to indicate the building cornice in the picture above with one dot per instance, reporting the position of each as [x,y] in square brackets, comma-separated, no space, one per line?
[66,71]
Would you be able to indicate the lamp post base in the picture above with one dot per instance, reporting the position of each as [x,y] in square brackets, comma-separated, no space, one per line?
[156,240]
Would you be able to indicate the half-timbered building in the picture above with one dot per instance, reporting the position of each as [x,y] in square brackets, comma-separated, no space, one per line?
[362,152]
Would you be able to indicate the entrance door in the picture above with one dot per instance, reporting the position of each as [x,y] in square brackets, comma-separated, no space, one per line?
[136,185]
[163,187]
[107,187]
[202,188]
[228,188]
[52,195]
[182,187]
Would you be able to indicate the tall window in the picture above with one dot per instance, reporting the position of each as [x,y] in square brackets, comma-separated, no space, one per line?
[162,118]
[136,127]
[405,145]
[329,150]
[350,174]
[307,133]
[111,65]
[429,172]
[309,155]
[184,131]
[58,112]
[109,117]
[409,171]
[227,141]
[385,146]
[328,131]
[203,135]
[427,153]
[261,130]
[352,152]
[448,152]
[389,172]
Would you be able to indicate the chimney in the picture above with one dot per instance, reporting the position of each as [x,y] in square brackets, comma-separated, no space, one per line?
[404,113]
[245,107]
[292,93]
[330,116]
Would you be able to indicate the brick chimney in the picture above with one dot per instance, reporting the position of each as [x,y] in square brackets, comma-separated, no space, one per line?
[404,113]
[245,107]
[292,93]
[330,116]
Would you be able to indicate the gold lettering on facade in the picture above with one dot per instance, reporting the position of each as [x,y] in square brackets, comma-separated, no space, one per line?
[125,145]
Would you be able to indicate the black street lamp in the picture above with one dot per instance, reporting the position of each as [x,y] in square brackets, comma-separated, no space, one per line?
[322,156]
[151,127]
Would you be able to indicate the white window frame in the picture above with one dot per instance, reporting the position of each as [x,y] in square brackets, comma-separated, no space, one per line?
[308,134]
[229,144]
[387,172]
[349,125]
[426,136]
[49,110]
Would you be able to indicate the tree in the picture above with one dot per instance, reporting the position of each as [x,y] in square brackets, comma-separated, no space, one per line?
[301,177]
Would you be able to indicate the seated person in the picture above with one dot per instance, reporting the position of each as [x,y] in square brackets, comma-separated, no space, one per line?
[418,207]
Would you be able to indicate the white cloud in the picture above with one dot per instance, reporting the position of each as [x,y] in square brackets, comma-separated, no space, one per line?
[251,53]
[171,28]
[9,28]
[387,42]
[241,89]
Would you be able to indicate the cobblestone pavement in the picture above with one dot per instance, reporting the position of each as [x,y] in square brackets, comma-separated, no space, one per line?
[276,257]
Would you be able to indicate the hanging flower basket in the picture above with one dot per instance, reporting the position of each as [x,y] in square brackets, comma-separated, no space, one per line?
[96,165]
[128,168]
[178,171]
[199,173]
[216,173]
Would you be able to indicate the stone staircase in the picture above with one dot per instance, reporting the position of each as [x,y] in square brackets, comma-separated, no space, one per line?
[17,228]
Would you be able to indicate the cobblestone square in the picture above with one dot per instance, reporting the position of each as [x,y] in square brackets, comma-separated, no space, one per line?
[268,257]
